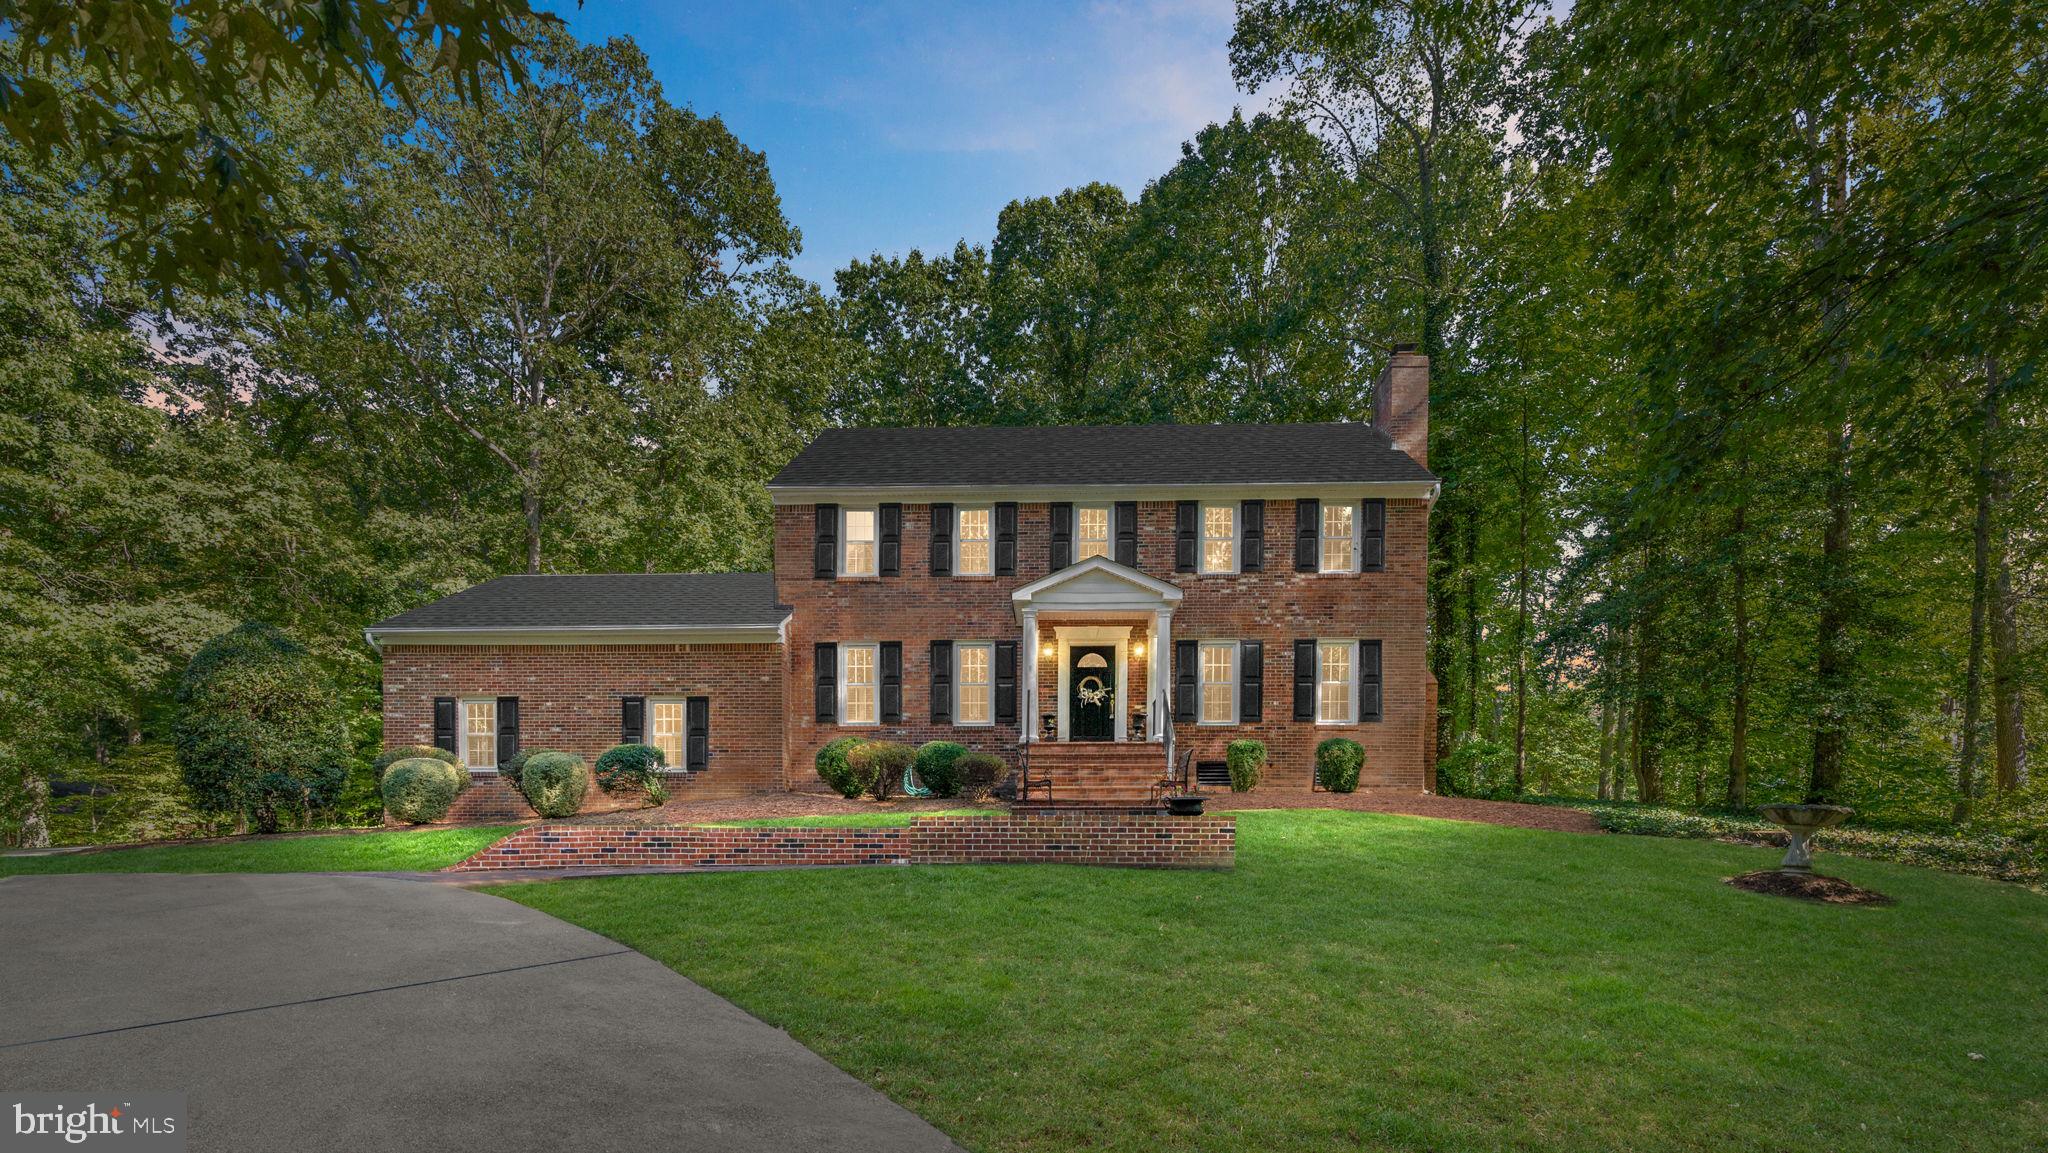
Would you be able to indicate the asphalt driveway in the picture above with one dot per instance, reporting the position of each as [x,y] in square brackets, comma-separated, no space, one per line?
[319,1012]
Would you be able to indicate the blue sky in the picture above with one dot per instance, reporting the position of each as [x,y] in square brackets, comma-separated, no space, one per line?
[897,125]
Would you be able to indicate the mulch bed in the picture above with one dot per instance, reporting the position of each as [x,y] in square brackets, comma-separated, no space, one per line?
[1808,887]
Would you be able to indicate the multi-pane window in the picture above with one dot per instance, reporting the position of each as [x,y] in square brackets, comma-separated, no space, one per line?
[1339,534]
[1219,683]
[667,727]
[858,680]
[860,543]
[974,689]
[480,734]
[1334,682]
[976,556]
[1091,531]
[1219,538]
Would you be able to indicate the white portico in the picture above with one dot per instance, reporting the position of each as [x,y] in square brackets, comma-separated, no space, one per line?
[1075,616]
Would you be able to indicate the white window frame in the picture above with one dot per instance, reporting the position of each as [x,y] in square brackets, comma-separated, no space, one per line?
[960,649]
[1322,554]
[1202,682]
[1202,538]
[874,651]
[1108,512]
[846,542]
[960,540]
[462,733]
[1350,686]
[682,704]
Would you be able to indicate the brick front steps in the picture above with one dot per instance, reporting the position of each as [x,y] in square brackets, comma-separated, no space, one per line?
[1133,840]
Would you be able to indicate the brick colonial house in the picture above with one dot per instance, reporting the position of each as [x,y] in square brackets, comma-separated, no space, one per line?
[1100,601]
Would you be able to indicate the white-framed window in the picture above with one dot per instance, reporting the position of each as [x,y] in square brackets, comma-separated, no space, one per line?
[666,724]
[974,693]
[1218,704]
[973,539]
[860,678]
[857,547]
[1340,537]
[1336,682]
[1219,538]
[1093,528]
[480,734]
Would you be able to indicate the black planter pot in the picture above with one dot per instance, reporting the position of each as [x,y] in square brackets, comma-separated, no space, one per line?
[1185,806]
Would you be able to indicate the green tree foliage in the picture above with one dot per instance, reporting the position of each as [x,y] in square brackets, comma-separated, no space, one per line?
[256,732]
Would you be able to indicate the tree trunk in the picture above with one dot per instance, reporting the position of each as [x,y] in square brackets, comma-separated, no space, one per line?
[1522,609]
[35,824]
[1833,665]
[1968,756]
[1738,713]
[1649,720]
[1443,624]
[1473,667]
[1605,790]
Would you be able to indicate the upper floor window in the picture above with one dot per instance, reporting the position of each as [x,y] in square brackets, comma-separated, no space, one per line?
[859,551]
[1091,531]
[666,728]
[1219,683]
[480,733]
[859,695]
[1334,664]
[1219,538]
[976,553]
[1340,535]
[974,692]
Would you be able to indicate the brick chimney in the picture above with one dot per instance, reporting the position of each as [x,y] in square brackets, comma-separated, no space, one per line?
[1400,402]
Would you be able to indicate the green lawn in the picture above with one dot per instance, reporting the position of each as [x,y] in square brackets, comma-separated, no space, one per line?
[338,853]
[1386,982]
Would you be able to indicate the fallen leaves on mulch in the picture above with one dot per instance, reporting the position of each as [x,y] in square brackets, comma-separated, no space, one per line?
[1809,887]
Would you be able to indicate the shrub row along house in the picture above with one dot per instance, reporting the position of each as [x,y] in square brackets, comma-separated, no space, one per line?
[1102,602]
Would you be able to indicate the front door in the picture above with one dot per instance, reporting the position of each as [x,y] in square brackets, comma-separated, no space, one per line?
[1091,693]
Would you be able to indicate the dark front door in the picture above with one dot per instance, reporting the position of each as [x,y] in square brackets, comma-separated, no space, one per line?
[1091,693]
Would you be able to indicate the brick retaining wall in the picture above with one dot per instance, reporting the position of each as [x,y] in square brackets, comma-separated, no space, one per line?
[1140,840]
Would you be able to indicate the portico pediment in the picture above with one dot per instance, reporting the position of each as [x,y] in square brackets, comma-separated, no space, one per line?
[1097,585]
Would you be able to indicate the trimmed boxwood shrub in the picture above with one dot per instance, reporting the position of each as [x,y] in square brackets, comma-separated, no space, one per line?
[882,764]
[979,773]
[835,767]
[628,767]
[554,783]
[407,752]
[420,789]
[1337,763]
[516,763]
[1247,760]
[938,766]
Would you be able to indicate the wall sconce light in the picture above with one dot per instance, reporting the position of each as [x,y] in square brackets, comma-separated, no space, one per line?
[1048,651]
[1138,650]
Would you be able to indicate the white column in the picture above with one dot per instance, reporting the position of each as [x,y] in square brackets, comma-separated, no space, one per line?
[1158,710]
[1027,668]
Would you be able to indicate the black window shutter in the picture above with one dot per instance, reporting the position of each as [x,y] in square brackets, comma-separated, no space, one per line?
[444,724]
[1006,682]
[1062,535]
[632,720]
[1184,670]
[1308,528]
[1252,516]
[892,682]
[825,551]
[942,540]
[1251,681]
[697,734]
[1372,536]
[1006,538]
[1304,680]
[508,728]
[1127,533]
[826,662]
[1184,522]
[942,682]
[1369,694]
[889,528]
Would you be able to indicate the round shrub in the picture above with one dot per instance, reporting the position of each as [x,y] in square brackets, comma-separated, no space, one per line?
[882,763]
[256,732]
[515,764]
[979,773]
[1337,763]
[384,761]
[938,765]
[554,783]
[625,768]
[835,767]
[420,789]
[1247,760]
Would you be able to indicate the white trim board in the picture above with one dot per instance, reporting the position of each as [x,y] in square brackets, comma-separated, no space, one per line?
[763,634]
[1098,494]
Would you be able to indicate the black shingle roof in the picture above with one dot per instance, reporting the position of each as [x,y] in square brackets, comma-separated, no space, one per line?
[607,600]
[1141,454]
